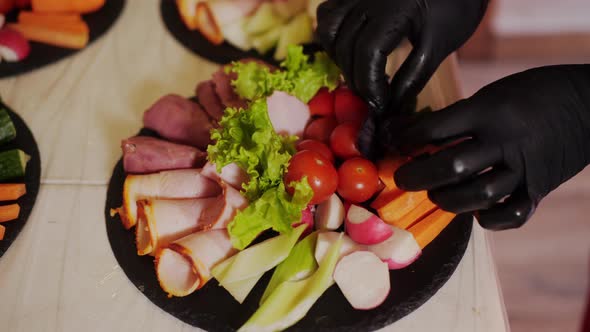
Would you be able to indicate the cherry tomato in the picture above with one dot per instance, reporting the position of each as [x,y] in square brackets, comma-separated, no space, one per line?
[358,180]
[320,129]
[321,174]
[322,103]
[343,140]
[317,146]
[349,107]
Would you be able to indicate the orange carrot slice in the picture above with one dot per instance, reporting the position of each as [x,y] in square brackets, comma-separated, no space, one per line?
[2,231]
[430,227]
[402,205]
[9,212]
[67,37]
[47,18]
[385,197]
[12,191]
[67,6]
[425,208]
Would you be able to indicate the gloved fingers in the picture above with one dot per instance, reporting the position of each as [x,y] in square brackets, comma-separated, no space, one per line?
[330,16]
[448,166]
[455,121]
[345,43]
[481,192]
[512,213]
[366,137]
[378,38]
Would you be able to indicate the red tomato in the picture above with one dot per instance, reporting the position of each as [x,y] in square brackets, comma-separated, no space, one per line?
[349,107]
[358,180]
[321,129]
[343,140]
[317,146]
[321,174]
[322,103]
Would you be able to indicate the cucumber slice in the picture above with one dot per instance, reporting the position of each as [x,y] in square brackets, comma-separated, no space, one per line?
[13,164]
[263,20]
[265,42]
[7,130]
[298,31]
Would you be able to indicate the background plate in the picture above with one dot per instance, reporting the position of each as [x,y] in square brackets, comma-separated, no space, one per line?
[195,42]
[43,54]
[213,309]
[26,142]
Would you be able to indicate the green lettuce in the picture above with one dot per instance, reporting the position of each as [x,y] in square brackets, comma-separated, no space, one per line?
[247,138]
[297,76]
[276,209]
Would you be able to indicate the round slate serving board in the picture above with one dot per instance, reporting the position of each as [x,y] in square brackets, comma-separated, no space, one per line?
[26,142]
[42,54]
[198,44]
[213,309]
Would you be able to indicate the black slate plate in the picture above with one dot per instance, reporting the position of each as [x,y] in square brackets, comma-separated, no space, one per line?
[26,142]
[198,44]
[213,309]
[43,54]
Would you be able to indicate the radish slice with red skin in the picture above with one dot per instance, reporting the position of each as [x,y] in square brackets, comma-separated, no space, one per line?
[330,214]
[307,219]
[399,251]
[2,20]
[363,279]
[364,227]
[14,47]
[327,239]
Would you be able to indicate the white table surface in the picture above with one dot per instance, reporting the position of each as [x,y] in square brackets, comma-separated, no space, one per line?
[60,273]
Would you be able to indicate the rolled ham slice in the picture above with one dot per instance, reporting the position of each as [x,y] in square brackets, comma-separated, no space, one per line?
[231,174]
[143,154]
[225,90]
[186,183]
[287,114]
[209,99]
[179,120]
[163,221]
[223,211]
[212,15]
[186,264]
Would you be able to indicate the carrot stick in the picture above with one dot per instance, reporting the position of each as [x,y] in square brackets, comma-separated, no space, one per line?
[385,197]
[430,227]
[47,18]
[387,167]
[9,212]
[2,231]
[402,205]
[425,208]
[12,191]
[67,6]
[57,36]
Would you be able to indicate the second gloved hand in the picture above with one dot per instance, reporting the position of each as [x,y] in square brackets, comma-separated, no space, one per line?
[519,139]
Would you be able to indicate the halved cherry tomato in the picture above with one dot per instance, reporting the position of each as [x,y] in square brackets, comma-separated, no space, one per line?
[322,103]
[343,140]
[317,146]
[320,129]
[349,107]
[321,174]
[358,180]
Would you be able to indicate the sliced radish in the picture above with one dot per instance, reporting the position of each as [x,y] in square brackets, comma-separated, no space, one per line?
[364,227]
[14,46]
[307,219]
[330,214]
[399,251]
[327,239]
[2,20]
[363,279]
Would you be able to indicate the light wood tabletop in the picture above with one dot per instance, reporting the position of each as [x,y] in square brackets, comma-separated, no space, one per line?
[60,273]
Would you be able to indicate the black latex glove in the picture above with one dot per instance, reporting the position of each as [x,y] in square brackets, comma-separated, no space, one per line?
[360,34]
[520,138]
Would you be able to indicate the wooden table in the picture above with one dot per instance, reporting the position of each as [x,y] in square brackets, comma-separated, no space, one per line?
[60,274]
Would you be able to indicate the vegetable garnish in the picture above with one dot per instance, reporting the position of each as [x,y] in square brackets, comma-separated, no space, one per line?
[297,76]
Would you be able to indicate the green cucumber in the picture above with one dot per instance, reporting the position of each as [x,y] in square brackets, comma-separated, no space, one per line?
[13,164]
[265,42]
[7,130]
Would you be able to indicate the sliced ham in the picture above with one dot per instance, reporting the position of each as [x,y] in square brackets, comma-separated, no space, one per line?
[163,221]
[209,99]
[287,114]
[231,174]
[223,211]
[187,183]
[179,120]
[211,16]
[143,154]
[225,90]
[185,265]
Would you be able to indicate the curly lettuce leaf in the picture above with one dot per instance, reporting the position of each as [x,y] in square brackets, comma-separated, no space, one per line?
[275,209]
[297,76]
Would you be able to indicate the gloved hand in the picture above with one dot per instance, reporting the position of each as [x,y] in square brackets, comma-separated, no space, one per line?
[519,138]
[360,34]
